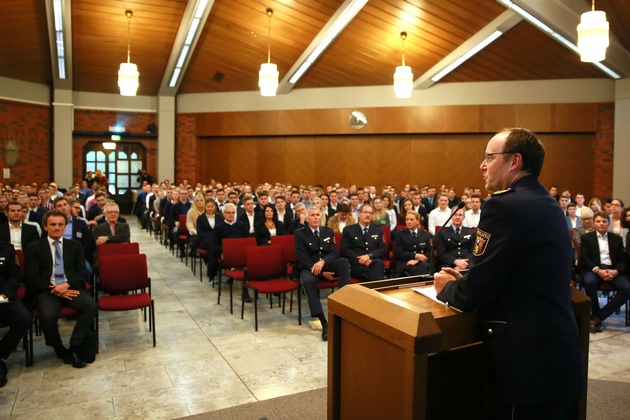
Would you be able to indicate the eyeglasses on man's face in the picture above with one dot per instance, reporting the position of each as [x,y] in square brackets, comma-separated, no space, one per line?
[489,155]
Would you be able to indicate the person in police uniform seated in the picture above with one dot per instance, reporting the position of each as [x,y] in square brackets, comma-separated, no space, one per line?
[519,285]
[316,253]
[413,248]
[454,244]
[363,245]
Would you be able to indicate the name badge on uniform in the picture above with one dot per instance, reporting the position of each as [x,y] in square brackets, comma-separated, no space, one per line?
[326,239]
[374,236]
[467,236]
[79,235]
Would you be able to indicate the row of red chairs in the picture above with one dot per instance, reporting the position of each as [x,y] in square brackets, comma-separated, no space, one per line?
[122,274]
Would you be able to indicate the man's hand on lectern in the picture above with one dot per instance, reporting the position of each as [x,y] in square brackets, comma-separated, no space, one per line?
[447,274]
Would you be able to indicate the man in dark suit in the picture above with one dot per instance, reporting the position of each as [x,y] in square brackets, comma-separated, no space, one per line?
[13,313]
[25,232]
[35,212]
[113,231]
[250,218]
[97,209]
[78,230]
[55,276]
[519,285]
[363,245]
[317,258]
[598,267]
[285,216]
[430,200]
[454,244]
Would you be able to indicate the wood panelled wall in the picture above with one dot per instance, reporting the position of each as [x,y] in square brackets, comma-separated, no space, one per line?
[416,145]
[420,159]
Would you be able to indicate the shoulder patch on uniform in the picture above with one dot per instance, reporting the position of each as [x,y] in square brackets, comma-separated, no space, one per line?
[481,242]
[501,192]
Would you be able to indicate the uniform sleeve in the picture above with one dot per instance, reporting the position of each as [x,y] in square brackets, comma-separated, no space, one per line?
[493,252]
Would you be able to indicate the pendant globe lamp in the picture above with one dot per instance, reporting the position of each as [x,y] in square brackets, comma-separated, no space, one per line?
[268,74]
[128,73]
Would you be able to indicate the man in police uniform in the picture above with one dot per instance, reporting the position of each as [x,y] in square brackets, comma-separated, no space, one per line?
[454,244]
[316,253]
[519,284]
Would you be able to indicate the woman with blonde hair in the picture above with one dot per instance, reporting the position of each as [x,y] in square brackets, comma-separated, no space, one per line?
[595,204]
[388,205]
[197,208]
[380,216]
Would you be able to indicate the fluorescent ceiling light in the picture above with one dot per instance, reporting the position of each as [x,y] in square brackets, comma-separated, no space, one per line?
[61,54]
[545,28]
[337,27]
[190,37]
[474,50]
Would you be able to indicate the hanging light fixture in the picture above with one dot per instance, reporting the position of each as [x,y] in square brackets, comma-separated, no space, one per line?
[403,77]
[268,74]
[128,73]
[593,35]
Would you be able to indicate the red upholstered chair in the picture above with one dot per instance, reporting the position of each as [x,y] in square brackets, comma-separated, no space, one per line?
[287,243]
[119,249]
[233,263]
[126,279]
[182,238]
[265,273]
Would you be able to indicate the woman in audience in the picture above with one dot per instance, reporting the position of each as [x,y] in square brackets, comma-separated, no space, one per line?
[389,206]
[615,219]
[206,223]
[380,216]
[413,248]
[466,200]
[406,206]
[263,231]
[595,204]
[100,179]
[586,216]
[318,203]
[197,208]
[625,223]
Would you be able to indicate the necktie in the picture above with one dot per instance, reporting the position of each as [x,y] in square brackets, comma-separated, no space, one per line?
[365,234]
[457,233]
[58,263]
[414,234]
[316,232]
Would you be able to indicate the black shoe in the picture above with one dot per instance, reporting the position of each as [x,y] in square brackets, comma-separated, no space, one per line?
[230,280]
[324,332]
[246,297]
[61,352]
[74,359]
[3,373]
[597,325]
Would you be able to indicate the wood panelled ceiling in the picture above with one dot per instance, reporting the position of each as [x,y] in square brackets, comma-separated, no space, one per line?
[233,42]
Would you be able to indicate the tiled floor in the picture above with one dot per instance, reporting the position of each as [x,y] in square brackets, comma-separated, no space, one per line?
[205,359]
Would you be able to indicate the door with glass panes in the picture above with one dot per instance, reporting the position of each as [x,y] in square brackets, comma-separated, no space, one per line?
[121,166]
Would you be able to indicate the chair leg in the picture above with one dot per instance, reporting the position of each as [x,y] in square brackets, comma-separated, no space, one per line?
[284,299]
[231,297]
[299,299]
[98,343]
[30,345]
[256,309]
[153,320]
[219,293]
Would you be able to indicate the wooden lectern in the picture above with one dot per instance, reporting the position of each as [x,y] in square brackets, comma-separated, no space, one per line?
[396,354]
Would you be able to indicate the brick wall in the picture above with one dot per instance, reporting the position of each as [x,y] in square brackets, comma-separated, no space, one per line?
[100,121]
[186,149]
[603,151]
[29,125]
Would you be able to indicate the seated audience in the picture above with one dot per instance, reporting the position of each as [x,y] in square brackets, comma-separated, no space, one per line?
[13,313]
[363,245]
[603,260]
[454,246]
[413,248]
[341,219]
[472,216]
[265,229]
[316,253]
[440,214]
[573,220]
[299,221]
[17,232]
[55,277]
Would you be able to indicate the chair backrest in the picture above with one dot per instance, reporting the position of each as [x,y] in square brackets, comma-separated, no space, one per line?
[387,236]
[437,229]
[264,262]
[234,251]
[182,229]
[287,242]
[123,273]
[338,236]
[20,260]
[127,248]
